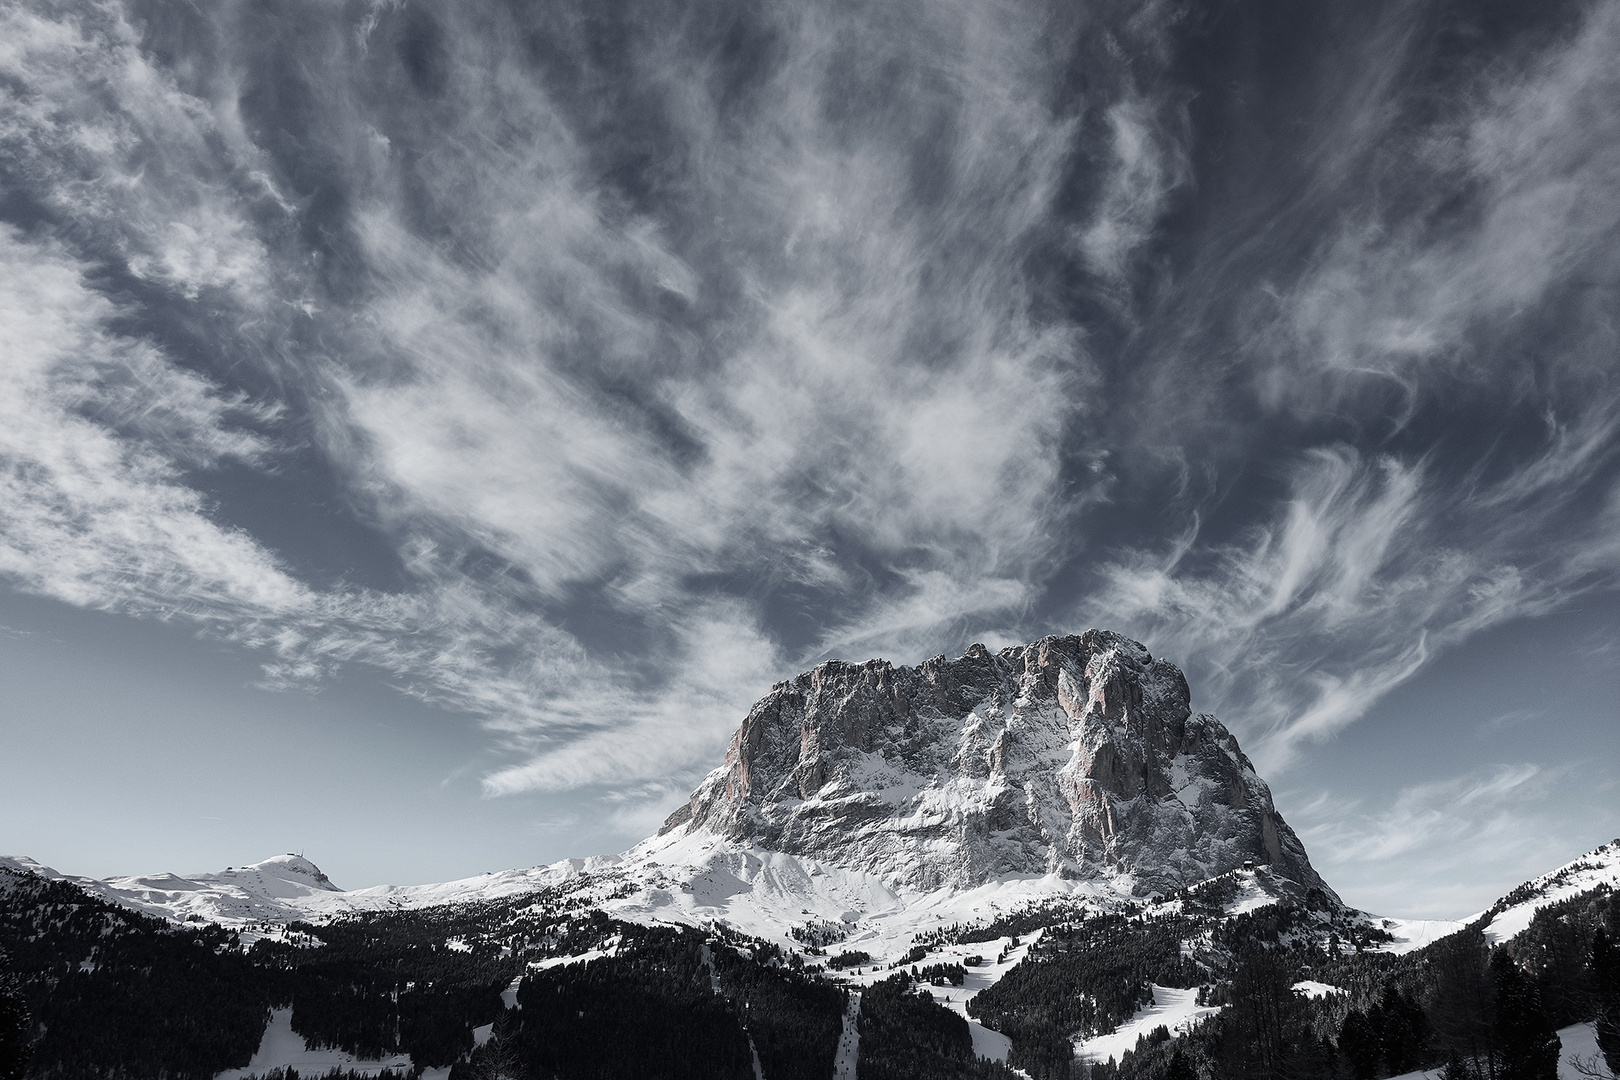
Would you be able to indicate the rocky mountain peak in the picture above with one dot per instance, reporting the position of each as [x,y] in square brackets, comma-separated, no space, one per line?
[1077,755]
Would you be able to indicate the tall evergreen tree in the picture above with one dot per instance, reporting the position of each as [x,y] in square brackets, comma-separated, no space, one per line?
[1462,999]
[1359,1045]
[1527,1045]
[14,1023]
[1606,997]
[1402,1029]
[1260,1019]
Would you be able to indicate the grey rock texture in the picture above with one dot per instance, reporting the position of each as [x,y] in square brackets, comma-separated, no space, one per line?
[1075,755]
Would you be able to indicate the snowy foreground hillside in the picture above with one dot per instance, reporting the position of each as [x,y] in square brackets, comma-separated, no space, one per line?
[1037,862]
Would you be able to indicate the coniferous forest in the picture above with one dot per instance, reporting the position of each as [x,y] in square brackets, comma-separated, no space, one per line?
[529,988]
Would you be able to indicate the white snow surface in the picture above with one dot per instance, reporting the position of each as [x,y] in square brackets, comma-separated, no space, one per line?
[1173,1008]
[1313,989]
[1413,934]
[282,1047]
[1578,1043]
[1252,894]
[277,891]
[989,1044]
[692,879]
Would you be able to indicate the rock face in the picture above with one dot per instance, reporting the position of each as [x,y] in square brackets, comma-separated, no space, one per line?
[1074,755]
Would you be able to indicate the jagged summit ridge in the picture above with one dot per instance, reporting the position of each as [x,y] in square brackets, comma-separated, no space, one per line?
[1078,756]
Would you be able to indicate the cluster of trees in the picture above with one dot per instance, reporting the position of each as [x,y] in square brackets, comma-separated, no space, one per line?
[905,1035]
[1481,1013]
[386,983]
[1082,978]
[1606,996]
[290,1073]
[648,1011]
[94,989]
[1387,1039]
[794,1019]
[940,974]
[849,958]
[669,1004]
[14,1023]
[1269,1032]
[96,986]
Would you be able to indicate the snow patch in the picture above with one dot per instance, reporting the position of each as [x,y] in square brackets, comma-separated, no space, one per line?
[1413,934]
[281,1047]
[989,1044]
[1313,989]
[1172,1008]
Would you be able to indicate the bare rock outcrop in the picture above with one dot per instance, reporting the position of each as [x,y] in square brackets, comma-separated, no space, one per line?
[1075,755]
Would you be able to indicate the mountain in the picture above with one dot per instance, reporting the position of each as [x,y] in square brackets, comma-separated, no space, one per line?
[1073,756]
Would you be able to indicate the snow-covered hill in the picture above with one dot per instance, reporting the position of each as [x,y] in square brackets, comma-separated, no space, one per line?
[278,890]
[1511,915]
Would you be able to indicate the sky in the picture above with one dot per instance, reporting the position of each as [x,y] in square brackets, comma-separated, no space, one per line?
[425,429]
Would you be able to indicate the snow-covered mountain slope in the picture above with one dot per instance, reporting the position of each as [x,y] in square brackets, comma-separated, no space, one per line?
[1410,935]
[278,890]
[289,888]
[1172,1008]
[690,879]
[1511,915]
[1076,756]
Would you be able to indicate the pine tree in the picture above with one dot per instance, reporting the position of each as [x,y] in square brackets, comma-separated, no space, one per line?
[1403,1031]
[14,1023]
[1462,1003]
[1458,1069]
[1180,1068]
[500,1059]
[1258,1024]
[1359,1045]
[1606,997]
[1527,1046]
